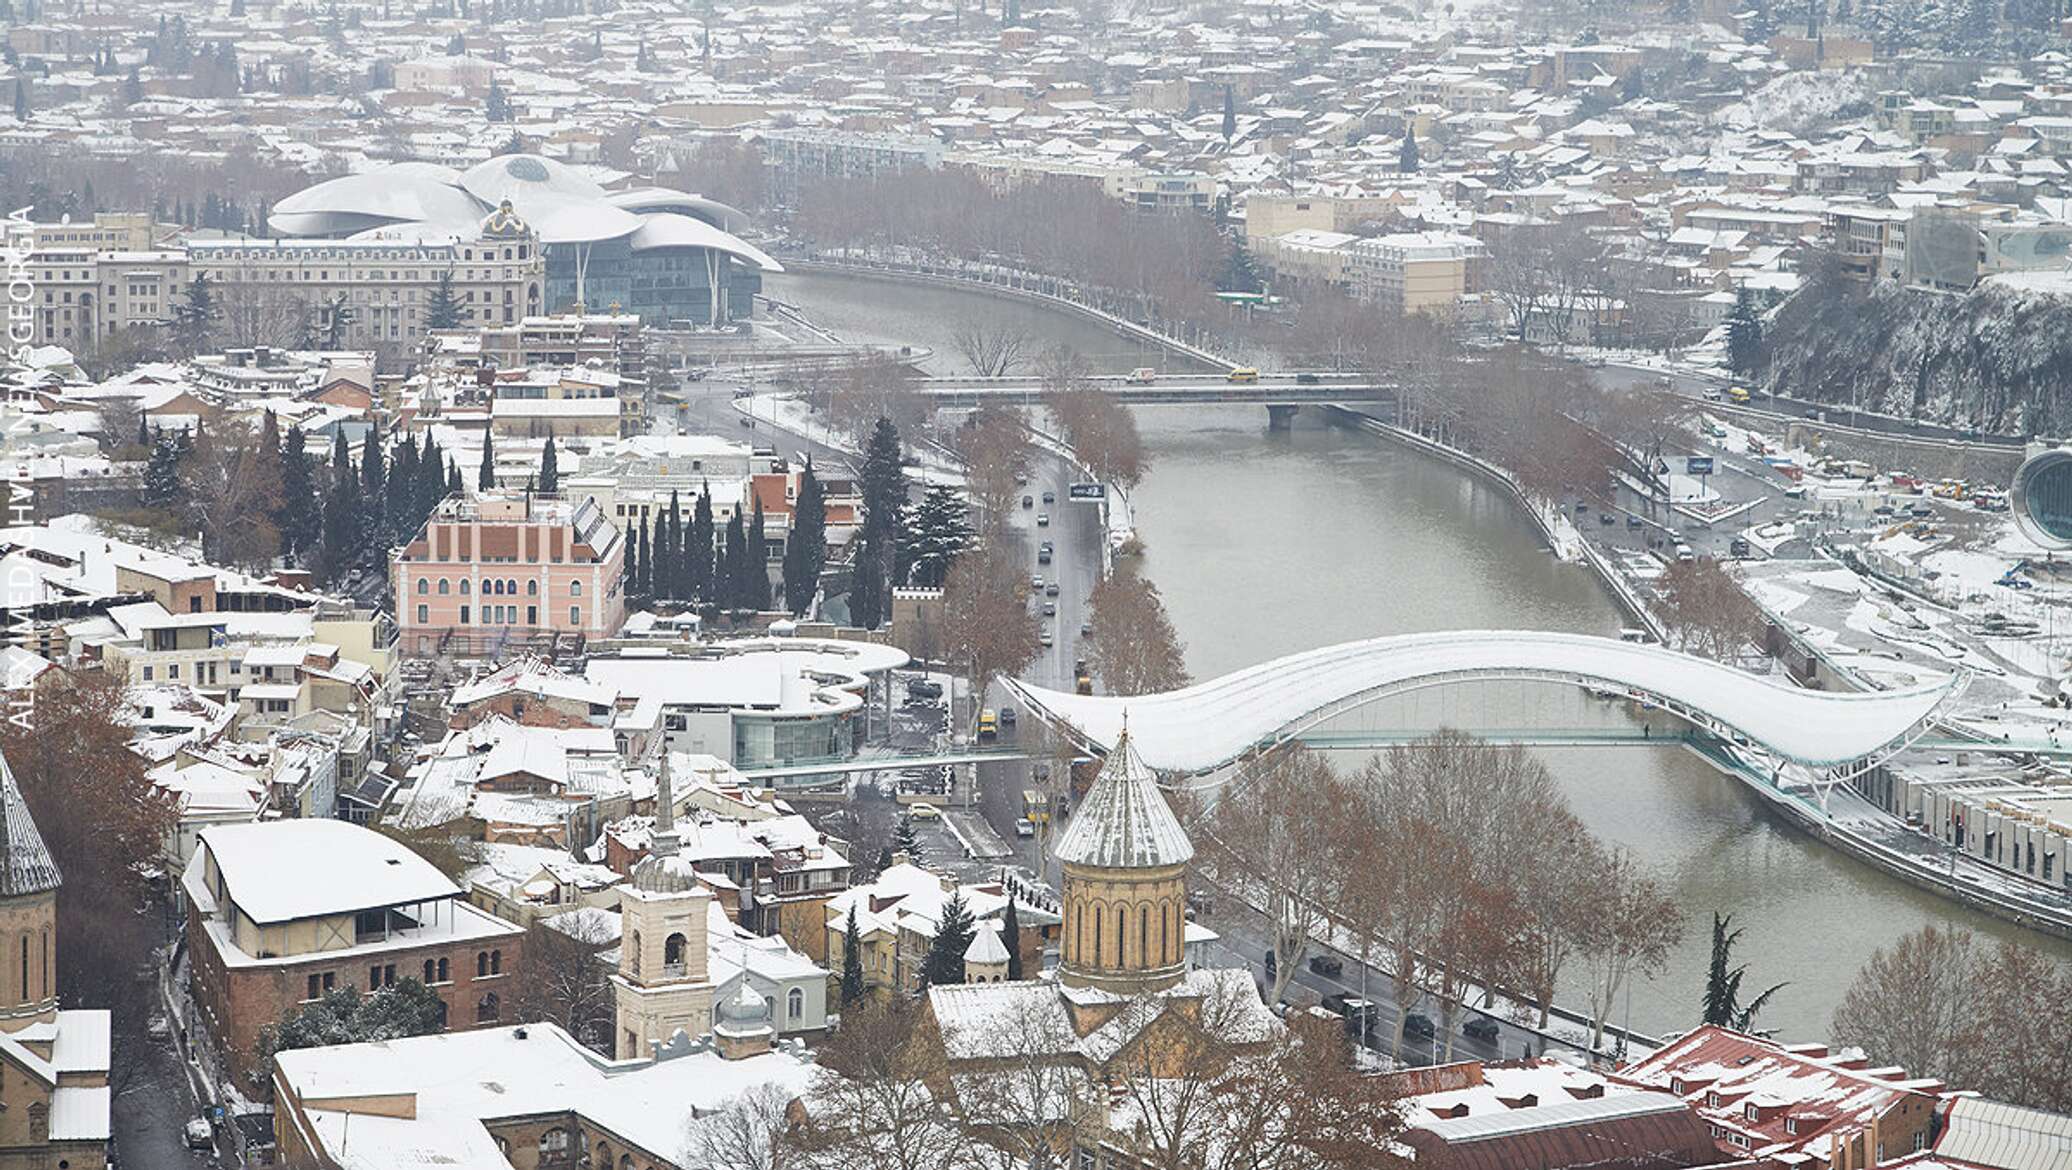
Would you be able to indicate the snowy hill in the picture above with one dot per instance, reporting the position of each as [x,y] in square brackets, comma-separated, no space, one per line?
[1998,357]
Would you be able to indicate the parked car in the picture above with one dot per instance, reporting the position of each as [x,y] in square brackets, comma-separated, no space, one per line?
[1419,1024]
[158,1028]
[924,812]
[200,1135]
[1480,1028]
[1329,966]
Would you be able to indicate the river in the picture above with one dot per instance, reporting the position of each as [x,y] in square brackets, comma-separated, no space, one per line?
[1267,543]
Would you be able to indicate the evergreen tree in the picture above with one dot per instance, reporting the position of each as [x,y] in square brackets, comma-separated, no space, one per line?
[442,307]
[454,486]
[339,543]
[755,565]
[162,473]
[1406,155]
[667,571]
[905,841]
[805,549]
[1229,114]
[852,963]
[195,318]
[945,962]
[485,478]
[884,511]
[697,547]
[302,516]
[550,469]
[431,480]
[1239,274]
[497,107]
[936,532]
[1744,335]
[728,572]
[643,586]
[21,97]
[631,580]
[1011,934]
[1763,24]
[1722,1001]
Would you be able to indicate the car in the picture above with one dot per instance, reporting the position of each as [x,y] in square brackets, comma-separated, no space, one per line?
[1795,491]
[1086,629]
[1024,827]
[1036,582]
[1737,547]
[1028,501]
[1007,716]
[1021,477]
[1582,506]
[1047,639]
[1242,374]
[1419,1024]
[1633,522]
[1607,519]
[200,1134]
[1042,556]
[921,688]
[1050,609]
[1050,497]
[1046,546]
[924,812]
[1329,966]
[1142,376]
[1480,1028]
[1042,519]
[158,1028]
[1305,379]
[1051,590]
[1713,394]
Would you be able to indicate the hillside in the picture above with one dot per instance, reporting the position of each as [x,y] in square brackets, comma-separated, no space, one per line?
[1998,357]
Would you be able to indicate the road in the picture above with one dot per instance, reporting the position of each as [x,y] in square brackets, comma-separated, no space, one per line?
[1783,408]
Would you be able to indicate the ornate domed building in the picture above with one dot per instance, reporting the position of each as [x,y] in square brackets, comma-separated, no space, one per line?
[1125,892]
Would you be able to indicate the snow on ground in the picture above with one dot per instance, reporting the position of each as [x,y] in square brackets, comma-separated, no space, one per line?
[1801,101]
[797,418]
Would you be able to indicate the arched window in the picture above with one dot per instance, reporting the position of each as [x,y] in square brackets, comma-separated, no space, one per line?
[554,1142]
[431,970]
[1119,951]
[1144,934]
[532,588]
[443,585]
[673,954]
[604,1156]
[1071,940]
[442,971]
[1165,929]
[424,585]
[39,1122]
[496,962]
[794,1005]
[625,1162]
[575,588]
[511,586]
[486,1009]
[463,586]
[444,1011]
[1096,932]
[481,963]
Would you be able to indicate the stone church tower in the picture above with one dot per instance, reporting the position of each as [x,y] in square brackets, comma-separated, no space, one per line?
[661,985]
[1125,892]
[28,918]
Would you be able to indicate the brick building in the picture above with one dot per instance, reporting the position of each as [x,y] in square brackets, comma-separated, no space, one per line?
[280,912]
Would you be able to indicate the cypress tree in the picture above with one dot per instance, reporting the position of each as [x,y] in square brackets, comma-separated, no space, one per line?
[431,476]
[728,573]
[945,962]
[852,962]
[805,550]
[643,587]
[1011,934]
[454,486]
[302,517]
[884,506]
[755,565]
[698,547]
[1406,155]
[662,578]
[485,479]
[631,583]
[550,469]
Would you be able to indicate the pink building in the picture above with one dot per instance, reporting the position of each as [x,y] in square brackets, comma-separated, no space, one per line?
[506,567]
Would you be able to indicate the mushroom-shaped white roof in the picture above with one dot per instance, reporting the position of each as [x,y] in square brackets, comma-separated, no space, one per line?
[1124,822]
[404,193]
[1214,723]
[577,222]
[669,230]
[986,946]
[524,177]
[652,200]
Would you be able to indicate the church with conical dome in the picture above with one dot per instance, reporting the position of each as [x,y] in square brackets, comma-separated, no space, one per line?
[1122,981]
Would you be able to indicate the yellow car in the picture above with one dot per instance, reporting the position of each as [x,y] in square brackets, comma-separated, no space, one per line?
[1242,374]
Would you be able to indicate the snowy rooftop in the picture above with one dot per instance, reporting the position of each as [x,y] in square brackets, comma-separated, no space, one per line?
[1214,723]
[279,871]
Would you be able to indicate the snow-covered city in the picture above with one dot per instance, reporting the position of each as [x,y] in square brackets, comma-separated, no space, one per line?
[1133,585]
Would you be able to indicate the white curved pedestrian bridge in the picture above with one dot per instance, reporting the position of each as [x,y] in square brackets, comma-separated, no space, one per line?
[1212,724]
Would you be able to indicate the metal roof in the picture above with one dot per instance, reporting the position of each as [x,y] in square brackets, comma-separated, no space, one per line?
[2006,1137]
[29,869]
[1124,821]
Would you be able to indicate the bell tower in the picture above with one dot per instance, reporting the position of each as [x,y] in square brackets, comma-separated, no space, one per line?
[1125,882]
[661,985]
[29,882]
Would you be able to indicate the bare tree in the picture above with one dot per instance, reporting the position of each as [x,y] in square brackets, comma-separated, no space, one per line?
[992,346]
[1636,925]
[987,627]
[233,489]
[875,387]
[1918,1005]
[1266,835]
[1028,1101]
[1134,647]
[1706,612]
[562,979]
[1101,431]
[255,314]
[871,1102]
[742,1135]
[1557,905]
[995,446]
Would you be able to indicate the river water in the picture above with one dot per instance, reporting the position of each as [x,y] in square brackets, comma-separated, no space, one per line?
[1267,543]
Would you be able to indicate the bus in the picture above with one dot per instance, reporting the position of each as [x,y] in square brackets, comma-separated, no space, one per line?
[1242,374]
[1738,395]
[1035,807]
[988,725]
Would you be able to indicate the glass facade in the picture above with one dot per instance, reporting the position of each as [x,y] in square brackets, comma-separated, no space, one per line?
[2043,498]
[659,286]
